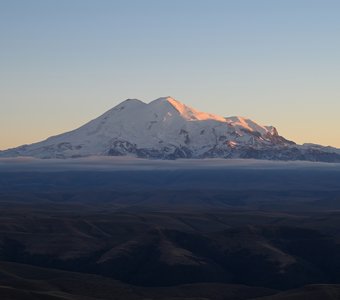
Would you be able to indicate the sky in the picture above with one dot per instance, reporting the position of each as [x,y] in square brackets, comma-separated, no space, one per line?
[65,62]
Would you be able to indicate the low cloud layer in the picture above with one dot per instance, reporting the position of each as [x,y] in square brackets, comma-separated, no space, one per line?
[22,164]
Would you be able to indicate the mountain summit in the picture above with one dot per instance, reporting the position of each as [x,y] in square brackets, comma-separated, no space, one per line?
[168,129]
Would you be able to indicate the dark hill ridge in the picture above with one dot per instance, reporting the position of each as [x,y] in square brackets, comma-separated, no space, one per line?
[25,282]
[235,233]
[168,129]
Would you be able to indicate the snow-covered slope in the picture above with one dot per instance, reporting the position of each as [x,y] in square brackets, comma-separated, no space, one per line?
[168,129]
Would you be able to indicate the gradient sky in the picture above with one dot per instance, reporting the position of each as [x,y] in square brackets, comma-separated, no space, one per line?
[64,62]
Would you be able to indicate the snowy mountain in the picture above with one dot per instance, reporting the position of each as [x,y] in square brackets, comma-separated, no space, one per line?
[168,129]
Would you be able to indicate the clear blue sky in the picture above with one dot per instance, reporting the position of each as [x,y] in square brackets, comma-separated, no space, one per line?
[64,62]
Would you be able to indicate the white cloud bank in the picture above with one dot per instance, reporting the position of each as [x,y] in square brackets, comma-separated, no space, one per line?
[22,164]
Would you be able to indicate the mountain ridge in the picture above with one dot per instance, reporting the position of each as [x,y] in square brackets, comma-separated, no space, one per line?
[168,129]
